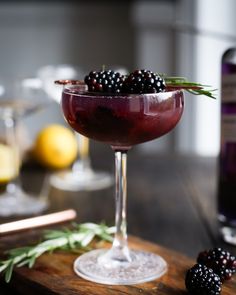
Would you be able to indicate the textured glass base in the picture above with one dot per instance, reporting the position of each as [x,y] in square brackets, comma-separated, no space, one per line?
[144,267]
[89,180]
[24,204]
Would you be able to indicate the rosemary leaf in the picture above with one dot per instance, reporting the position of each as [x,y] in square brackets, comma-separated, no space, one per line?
[192,87]
[76,239]
[25,262]
[87,239]
[9,271]
[3,267]
[32,261]
[17,251]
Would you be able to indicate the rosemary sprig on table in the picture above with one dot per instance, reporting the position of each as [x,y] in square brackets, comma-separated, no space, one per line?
[191,87]
[68,239]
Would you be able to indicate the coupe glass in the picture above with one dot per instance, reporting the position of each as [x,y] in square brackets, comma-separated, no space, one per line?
[121,121]
[81,176]
[17,101]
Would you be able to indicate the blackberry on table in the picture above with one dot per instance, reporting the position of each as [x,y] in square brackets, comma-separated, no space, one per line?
[104,81]
[221,261]
[201,280]
[143,81]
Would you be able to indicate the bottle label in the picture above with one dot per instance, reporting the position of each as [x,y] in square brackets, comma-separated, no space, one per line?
[229,88]
[228,127]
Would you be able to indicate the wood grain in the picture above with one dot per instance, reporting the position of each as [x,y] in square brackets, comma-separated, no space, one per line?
[53,275]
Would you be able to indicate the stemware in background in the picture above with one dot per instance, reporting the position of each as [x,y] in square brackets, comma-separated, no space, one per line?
[17,101]
[121,121]
[81,176]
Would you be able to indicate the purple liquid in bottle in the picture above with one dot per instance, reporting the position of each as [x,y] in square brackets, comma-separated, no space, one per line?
[227,159]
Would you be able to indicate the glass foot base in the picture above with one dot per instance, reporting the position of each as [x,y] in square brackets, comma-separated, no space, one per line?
[24,205]
[144,267]
[69,181]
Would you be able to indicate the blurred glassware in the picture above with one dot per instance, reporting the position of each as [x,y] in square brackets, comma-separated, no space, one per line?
[48,74]
[81,176]
[17,100]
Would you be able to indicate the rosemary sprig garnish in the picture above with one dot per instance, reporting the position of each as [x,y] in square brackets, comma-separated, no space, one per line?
[79,237]
[172,83]
[191,87]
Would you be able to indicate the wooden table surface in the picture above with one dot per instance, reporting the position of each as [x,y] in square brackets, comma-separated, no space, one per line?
[171,200]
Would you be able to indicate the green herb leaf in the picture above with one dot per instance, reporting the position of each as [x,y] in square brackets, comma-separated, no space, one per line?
[9,271]
[32,261]
[192,87]
[76,239]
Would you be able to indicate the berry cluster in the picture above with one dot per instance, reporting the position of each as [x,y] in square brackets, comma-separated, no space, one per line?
[143,81]
[212,268]
[201,280]
[222,262]
[137,82]
[104,81]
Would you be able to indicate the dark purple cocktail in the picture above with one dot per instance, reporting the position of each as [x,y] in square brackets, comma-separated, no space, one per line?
[121,121]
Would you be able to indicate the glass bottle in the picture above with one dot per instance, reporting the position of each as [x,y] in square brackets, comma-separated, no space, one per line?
[227,158]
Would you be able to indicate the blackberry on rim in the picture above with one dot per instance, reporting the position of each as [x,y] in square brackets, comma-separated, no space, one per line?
[143,81]
[106,81]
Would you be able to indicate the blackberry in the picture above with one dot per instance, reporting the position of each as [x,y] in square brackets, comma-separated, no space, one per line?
[104,81]
[143,81]
[201,280]
[221,261]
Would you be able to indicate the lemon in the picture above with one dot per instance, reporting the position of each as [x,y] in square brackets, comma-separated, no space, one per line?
[55,147]
[9,167]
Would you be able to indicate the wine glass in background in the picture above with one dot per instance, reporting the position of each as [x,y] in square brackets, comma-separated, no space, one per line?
[81,176]
[17,101]
[121,121]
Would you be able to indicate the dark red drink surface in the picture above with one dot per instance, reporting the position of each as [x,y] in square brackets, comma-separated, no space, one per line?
[122,120]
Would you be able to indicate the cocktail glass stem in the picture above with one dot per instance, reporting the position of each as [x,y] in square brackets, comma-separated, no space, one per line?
[119,253]
[14,186]
[120,244]
[83,162]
